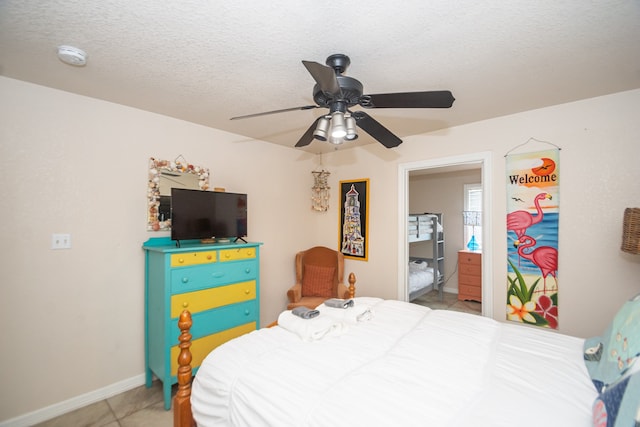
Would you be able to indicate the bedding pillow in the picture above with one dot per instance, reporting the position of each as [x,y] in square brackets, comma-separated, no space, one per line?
[318,281]
[607,358]
[619,404]
[418,265]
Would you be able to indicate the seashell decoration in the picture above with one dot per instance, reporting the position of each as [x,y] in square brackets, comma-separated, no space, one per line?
[153,188]
[320,191]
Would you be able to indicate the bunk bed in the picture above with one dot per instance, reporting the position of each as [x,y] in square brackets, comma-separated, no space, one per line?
[426,274]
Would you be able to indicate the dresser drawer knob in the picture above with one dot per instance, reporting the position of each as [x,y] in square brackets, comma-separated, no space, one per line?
[181,260]
[185,304]
[227,255]
[247,270]
[209,257]
[246,312]
[247,291]
[185,279]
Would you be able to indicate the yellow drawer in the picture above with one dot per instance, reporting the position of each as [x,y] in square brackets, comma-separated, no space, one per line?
[211,298]
[201,347]
[235,254]
[193,258]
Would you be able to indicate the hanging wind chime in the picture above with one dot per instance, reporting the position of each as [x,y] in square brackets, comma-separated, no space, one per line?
[320,191]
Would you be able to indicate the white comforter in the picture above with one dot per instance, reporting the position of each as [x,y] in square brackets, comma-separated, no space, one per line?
[407,366]
[420,279]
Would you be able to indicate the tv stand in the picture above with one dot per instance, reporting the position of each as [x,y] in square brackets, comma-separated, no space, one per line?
[239,238]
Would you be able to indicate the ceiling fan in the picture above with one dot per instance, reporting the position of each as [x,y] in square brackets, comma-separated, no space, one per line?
[339,93]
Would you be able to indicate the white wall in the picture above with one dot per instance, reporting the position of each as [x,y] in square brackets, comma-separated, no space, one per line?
[70,164]
[73,319]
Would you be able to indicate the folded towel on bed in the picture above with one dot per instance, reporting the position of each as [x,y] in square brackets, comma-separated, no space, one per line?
[339,303]
[352,315]
[310,329]
[305,312]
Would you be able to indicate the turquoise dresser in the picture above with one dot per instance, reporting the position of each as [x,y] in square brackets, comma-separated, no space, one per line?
[218,283]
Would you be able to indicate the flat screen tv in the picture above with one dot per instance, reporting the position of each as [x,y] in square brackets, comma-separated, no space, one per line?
[204,215]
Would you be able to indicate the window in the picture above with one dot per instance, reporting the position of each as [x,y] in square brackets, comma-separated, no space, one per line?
[473,203]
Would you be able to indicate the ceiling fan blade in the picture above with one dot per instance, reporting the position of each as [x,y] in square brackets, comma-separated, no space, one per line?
[431,99]
[308,135]
[375,129]
[324,76]
[306,107]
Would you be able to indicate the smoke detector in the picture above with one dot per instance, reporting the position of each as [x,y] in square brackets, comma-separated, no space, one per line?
[72,55]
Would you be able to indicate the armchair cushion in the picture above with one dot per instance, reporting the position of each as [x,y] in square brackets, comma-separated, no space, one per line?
[318,281]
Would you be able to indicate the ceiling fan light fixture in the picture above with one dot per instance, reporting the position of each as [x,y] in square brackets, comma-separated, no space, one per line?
[340,93]
[338,126]
[336,141]
[322,129]
[351,129]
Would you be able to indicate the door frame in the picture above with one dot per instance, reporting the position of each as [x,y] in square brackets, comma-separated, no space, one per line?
[484,160]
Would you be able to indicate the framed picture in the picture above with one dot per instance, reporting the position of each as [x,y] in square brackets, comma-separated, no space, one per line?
[354,219]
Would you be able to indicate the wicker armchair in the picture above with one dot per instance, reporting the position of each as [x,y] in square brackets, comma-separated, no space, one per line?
[319,276]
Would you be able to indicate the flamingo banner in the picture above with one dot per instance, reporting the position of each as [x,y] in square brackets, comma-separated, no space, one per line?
[532,237]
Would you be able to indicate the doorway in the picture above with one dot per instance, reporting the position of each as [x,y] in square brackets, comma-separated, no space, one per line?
[476,160]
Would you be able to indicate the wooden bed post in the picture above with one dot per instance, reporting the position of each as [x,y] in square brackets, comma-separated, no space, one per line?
[182,416]
[352,285]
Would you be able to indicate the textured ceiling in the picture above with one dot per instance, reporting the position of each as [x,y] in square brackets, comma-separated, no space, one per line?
[207,61]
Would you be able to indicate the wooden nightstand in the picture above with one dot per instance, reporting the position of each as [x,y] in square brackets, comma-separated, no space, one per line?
[470,276]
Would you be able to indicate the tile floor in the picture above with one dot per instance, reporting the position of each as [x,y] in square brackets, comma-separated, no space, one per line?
[143,407]
[139,407]
[449,302]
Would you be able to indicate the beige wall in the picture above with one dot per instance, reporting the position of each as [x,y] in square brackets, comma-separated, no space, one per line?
[70,164]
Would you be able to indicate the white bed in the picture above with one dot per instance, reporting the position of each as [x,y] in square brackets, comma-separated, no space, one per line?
[420,277]
[421,227]
[406,366]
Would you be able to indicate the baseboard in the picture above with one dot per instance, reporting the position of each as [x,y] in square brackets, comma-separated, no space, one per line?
[74,403]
